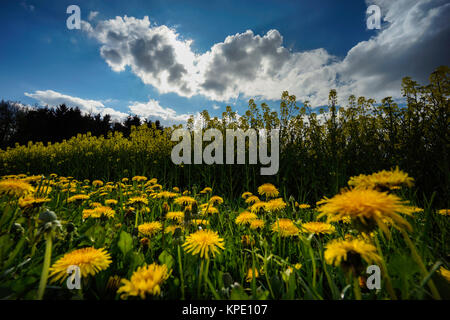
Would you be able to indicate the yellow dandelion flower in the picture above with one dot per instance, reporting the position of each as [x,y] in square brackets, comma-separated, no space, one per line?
[175,215]
[165,195]
[445,273]
[172,228]
[185,201]
[96,204]
[252,273]
[383,180]
[215,200]
[89,260]
[206,190]
[350,253]
[444,212]
[246,194]
[298,266]
[97,183]
[32,202]
[256,224]
[258,207]
[367,207]
[104,211]
[176,189]
[285,228]
[78,198]
[245,218]
[16,188]
[145,280]
[304,206]
[209,210]
[252,199]
[186,192]
[139,178]
[150,228]
[318,228]
[204,242]
[268,190]
[275,205]
[138,201]
[111,202]
[200,222]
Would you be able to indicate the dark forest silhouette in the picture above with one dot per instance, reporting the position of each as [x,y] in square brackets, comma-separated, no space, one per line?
[20,125]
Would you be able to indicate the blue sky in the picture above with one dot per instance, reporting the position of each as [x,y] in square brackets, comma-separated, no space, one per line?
[306,47]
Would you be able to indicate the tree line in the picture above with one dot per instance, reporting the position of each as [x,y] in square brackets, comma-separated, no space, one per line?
[19,124]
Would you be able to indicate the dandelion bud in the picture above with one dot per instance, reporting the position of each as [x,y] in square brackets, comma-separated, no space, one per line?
[165,208]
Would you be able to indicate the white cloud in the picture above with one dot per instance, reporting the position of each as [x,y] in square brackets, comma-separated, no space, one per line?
[216,107]
[412,42]
[92,15]
[53,98]
[154,111]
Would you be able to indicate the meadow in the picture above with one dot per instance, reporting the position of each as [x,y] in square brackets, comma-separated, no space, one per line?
[358,186]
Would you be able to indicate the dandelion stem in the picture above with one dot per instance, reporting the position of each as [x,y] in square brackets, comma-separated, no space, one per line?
[356,288]
[419,261]
[181,272]
[46,265]
[200,278]
[384,270]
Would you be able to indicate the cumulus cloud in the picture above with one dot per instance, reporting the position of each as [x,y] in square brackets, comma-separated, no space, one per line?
[154,53]
[53,98]
[412,42]
[154,111]
[147,110]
